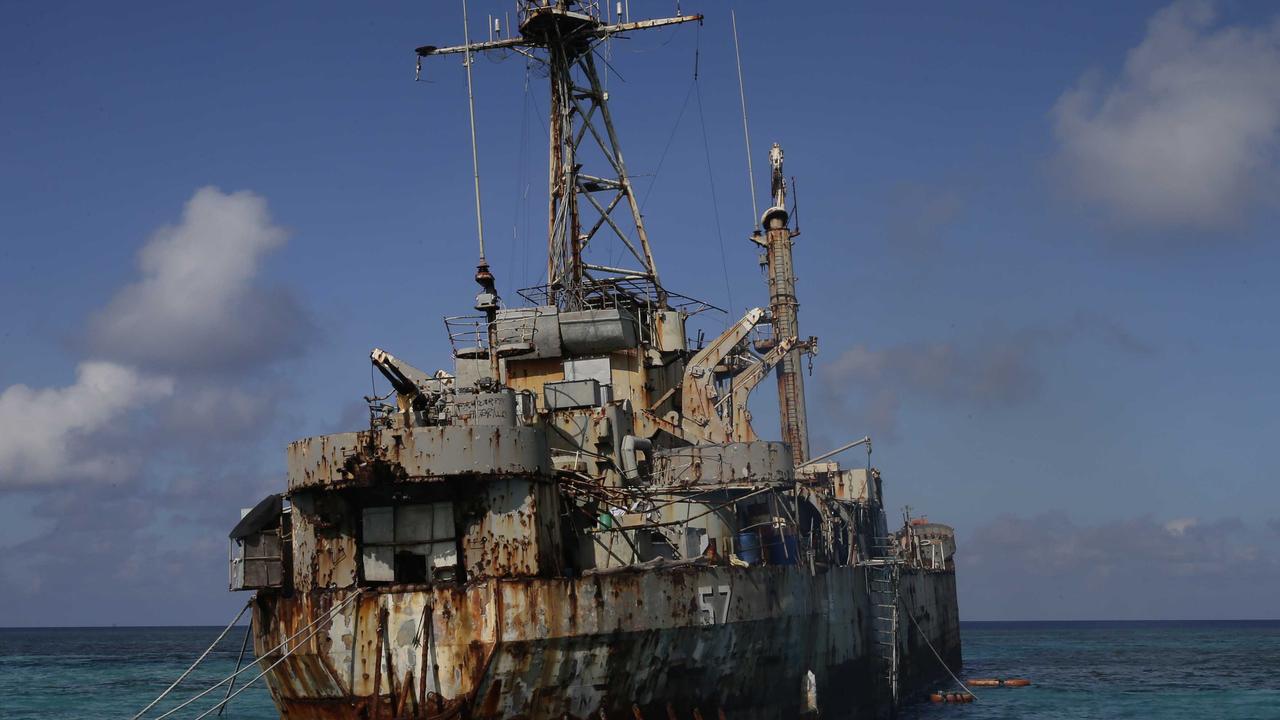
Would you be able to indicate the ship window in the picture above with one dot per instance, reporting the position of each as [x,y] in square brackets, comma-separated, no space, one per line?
[409,543]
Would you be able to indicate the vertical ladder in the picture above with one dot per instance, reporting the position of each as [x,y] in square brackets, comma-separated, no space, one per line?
[883,574]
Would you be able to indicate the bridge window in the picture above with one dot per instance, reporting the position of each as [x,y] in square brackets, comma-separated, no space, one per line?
[409,543]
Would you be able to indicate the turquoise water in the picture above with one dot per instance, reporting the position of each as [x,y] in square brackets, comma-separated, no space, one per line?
[106,673]
[1080,670]
[1164,670]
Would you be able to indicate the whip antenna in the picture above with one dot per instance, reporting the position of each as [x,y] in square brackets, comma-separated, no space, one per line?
[742,95]
[471,108]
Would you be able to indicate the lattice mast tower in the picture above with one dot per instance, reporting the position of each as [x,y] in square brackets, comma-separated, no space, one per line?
[588,207]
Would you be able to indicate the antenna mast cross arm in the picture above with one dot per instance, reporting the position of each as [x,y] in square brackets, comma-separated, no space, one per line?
[597,32]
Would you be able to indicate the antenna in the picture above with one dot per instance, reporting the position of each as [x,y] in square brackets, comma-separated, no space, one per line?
[471,108]
[588,179]
[742,94]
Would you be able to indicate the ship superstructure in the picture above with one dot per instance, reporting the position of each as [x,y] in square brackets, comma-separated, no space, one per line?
[578,518]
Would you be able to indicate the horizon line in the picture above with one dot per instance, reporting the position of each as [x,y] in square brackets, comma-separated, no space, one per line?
[1023,621]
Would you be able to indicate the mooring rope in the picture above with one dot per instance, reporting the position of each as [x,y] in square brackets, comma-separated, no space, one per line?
[942,662]
[244,645]
[246,686]
[200,659]
[246,668]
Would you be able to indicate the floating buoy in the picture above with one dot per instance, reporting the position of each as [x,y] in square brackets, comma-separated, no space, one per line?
[997,682]
[936,697]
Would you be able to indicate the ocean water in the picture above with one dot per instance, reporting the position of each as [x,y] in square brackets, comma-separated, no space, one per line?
[112,673]
[1111,670]
[1166,671]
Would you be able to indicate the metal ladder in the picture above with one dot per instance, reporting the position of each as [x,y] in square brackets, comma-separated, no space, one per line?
[883,574]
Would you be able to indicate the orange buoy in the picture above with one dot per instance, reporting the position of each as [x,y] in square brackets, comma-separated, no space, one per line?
[1017,682]
[936,697]
[984,682]
[954,697]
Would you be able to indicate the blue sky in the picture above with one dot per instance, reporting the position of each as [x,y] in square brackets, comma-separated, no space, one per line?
[1037,246]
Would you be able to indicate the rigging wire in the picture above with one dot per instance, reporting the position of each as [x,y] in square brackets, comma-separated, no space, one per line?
[522,186]
[537,112]
[742,95]
[200,659]
[694,88]
[244,645]
[711,180]
[288,653]
[609,68]
[546,131]
[935,651]
[326,615]
[653,179]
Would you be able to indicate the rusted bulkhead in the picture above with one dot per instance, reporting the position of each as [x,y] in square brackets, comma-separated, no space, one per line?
[759,461]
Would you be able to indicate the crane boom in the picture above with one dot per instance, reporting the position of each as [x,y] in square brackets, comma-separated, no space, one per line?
[699,396]
[745,382]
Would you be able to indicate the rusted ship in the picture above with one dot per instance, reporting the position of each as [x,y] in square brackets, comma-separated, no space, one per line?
[577,520]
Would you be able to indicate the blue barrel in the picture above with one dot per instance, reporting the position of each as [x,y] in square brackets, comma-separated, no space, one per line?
[783,549]
[749,547]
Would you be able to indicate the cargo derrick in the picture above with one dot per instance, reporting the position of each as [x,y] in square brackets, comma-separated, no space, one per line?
[577,519]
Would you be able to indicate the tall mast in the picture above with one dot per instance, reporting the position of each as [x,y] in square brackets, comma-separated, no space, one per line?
[785,311]
[588,182]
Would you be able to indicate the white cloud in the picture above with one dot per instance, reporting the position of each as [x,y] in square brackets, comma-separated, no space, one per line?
[44,429]
[198,308]
[166,431]
[198,305]
[1186,136]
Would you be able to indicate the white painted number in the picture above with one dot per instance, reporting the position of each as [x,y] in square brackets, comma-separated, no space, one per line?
[714,604]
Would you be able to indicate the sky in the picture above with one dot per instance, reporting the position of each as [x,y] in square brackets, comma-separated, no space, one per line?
[1037,246]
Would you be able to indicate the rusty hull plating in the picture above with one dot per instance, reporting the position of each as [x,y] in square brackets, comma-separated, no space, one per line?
[577,519]
[695,638]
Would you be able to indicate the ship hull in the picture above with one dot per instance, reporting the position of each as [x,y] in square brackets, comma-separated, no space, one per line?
[687,641]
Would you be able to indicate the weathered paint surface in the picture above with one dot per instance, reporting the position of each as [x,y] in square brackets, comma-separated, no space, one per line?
[324,541]
[689,637]
[516,534]
[352,459]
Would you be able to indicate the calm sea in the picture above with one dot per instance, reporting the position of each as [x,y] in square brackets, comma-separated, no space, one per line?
[1080,670]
